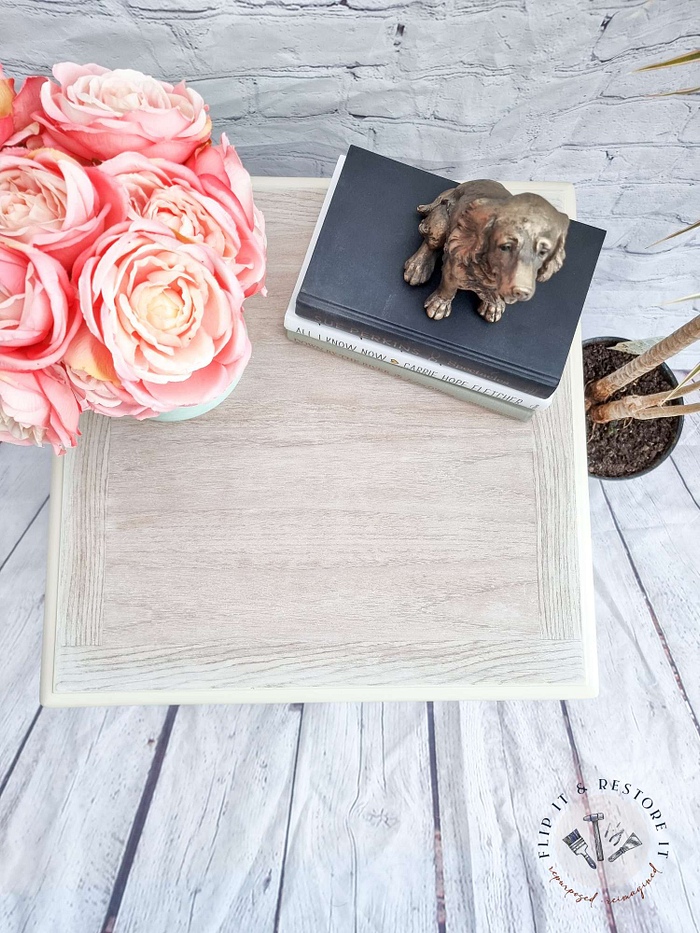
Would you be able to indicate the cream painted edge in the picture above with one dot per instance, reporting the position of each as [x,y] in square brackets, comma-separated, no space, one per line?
[583,524]
[582,690]
[282,183]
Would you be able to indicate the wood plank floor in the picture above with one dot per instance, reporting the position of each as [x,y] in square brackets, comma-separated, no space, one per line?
[373,817]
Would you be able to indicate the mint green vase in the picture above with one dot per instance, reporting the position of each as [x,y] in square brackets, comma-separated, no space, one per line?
[194,411]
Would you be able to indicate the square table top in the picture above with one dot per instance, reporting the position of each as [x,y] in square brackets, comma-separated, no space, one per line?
[327,533]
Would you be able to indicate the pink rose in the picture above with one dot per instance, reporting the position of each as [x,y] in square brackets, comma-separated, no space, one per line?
[170,314]
[175,196]
[16,110]
[97,113]
[90,369]
[223,178]
[50,201]
[39,407]
[38,310]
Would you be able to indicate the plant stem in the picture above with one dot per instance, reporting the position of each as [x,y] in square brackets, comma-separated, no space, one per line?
[680,339]
[616,411]
[648,414]
[629,406]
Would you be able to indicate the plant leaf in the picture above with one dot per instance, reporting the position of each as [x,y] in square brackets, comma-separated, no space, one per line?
[674,392]
[671,62]
[677,233]
[683,90]
[684,298]
[636,347]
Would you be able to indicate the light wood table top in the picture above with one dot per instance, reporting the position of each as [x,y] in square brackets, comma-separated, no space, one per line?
[327,533]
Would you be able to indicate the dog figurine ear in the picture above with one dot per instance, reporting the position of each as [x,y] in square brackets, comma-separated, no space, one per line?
[556,260]
[468,240]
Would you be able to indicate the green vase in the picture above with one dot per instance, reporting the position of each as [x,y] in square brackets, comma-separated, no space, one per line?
[194,411]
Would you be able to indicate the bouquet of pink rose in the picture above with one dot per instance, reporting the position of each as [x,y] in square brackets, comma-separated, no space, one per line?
[128,243]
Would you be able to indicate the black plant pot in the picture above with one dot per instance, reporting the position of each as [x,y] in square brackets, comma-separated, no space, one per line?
[668,372]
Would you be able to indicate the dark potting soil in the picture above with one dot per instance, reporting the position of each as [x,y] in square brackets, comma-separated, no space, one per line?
[622,448]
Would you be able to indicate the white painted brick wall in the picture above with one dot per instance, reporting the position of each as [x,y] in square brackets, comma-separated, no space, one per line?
[513,89]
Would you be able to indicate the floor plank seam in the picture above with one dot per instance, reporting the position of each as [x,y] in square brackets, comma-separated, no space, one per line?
[682,479]
[351,813]
[278,906]
[13,764]
[578,767]
[137,826]
[654,618]
[499,713]
[435,792]
[19,540]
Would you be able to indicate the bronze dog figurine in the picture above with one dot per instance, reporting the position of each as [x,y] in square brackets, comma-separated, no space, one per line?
[495,244]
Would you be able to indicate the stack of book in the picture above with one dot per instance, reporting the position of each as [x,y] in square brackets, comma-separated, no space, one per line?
[351,298]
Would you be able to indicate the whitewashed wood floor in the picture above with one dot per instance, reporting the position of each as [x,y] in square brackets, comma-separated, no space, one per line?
[369,817]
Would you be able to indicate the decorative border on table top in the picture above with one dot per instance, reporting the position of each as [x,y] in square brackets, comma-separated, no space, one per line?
[587,688]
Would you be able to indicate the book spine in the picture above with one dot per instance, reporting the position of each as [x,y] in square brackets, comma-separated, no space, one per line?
[333,317]
[464,395]
[400,359]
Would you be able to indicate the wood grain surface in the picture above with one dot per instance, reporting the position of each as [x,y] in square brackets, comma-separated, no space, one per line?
[102,817]
[80,606]
[325,528]
[363,803]
[505,661]
[644,724]
[498,766]
[69,777]
[24,477]
[520,90]
[235,816]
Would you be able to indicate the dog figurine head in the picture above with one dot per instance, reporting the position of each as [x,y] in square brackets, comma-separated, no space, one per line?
[509,244]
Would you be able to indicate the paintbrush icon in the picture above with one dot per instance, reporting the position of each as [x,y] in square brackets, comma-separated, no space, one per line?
[579,846]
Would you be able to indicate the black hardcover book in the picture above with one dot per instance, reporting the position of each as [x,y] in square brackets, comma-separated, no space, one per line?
[355,282]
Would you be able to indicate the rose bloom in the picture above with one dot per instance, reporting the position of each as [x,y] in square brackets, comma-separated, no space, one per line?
[38,309]
[97,113]
[175,196]
[39,407]
[89,367]
[16,110]
[170,313]
[224,179]
[50,201]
